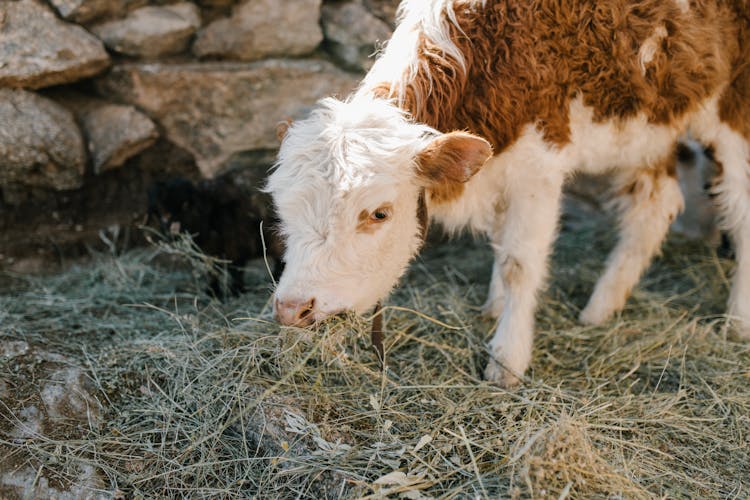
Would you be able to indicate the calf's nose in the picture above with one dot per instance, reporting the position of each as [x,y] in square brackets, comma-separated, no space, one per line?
[291,312]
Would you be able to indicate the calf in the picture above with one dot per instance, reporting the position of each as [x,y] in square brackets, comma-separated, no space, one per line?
[221,219]
[482,108]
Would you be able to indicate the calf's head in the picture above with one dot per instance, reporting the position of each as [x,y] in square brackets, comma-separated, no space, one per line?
[347,186]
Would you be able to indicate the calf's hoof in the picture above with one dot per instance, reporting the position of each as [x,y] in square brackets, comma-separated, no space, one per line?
[495,372]
[741,327]
[593,315]
[738,309]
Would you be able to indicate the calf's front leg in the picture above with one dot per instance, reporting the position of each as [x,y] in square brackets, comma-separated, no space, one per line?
[521,251]
[493,306]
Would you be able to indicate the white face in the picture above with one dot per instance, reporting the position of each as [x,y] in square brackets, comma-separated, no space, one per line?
[346,188]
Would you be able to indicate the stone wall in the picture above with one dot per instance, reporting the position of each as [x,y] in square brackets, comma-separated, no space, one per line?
[99,98]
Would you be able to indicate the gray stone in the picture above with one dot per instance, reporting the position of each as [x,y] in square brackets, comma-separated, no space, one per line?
[84,11]
[219,110]
[39,50]
[33,424]
[53,398]
[384,9]
[115,133]
[152,31]
[262,28]
[43,147]
[352,33]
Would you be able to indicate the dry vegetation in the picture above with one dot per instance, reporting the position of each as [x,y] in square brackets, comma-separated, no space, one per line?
[204,399]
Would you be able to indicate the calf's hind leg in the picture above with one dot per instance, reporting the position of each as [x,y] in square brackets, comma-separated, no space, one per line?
[648,201]
[732,153]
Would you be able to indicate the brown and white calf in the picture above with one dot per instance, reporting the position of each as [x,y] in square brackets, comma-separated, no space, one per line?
[484,107]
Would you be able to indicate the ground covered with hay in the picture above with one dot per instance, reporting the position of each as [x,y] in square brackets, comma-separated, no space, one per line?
[193,397]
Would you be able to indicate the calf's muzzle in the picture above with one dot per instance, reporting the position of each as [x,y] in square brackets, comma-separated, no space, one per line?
[295,312]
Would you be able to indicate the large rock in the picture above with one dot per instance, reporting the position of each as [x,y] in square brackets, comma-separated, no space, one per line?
[262,28]
[151,31]
[38,50]
[52,398]
[43,146]
[113,132]
[352,33]
[116,132]
[84,11]
[219,110]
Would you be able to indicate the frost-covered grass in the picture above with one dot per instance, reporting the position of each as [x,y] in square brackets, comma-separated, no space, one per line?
[210,399]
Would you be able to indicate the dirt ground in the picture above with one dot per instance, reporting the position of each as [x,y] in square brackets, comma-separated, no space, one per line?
[121,378]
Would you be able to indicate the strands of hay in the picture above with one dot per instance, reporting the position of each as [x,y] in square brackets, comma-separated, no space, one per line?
[208,399]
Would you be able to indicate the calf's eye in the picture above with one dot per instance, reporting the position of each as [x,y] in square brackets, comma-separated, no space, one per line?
[380,215]
[368,222]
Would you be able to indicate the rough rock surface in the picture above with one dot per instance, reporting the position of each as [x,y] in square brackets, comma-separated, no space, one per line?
[384,9]
[43,147]
[113,133]
[352,33]
[38,50]
[116,132]
[152,31]
[83,11]
[261,28]
[217,110]
[52,397]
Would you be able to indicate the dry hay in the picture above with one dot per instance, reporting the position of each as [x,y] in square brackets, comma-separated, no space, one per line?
[204,399]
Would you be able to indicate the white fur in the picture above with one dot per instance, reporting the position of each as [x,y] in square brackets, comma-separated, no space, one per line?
[515,200]
[521,243]
[346,158]
[400,61]
[600,147]
[684,5]
[650,46]
[645,218]
[732,151]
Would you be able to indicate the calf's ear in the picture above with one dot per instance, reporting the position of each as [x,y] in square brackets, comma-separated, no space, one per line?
[282,127]
[453,158]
